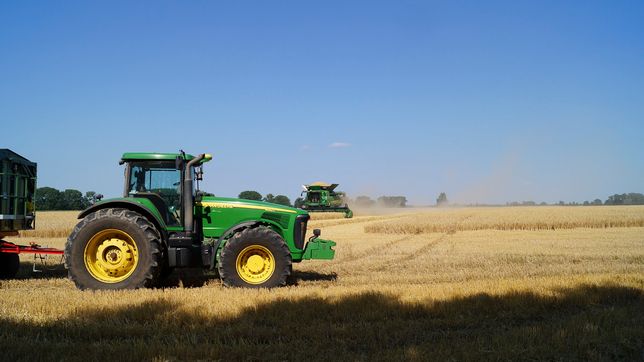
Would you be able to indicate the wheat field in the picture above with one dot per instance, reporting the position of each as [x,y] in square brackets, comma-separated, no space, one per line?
[512,283]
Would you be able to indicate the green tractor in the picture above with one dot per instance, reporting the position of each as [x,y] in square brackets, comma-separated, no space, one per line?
[163,222]
[322,197]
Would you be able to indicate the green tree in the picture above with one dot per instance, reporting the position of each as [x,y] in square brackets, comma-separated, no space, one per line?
[282,200]
[90,198]
[250,195]
[47,198]
[72,200]
[299,202]
[442,199]
[626,199]
[269,198]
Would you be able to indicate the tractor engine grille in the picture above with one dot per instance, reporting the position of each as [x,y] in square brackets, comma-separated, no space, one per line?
[299,230]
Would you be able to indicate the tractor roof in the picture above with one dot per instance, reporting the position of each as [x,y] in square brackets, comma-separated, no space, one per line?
[135,156]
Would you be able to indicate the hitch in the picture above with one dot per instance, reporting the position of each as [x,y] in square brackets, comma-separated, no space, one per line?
[317,248]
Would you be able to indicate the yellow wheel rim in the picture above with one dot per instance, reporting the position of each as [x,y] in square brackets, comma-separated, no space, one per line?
[255,264]
[111,255]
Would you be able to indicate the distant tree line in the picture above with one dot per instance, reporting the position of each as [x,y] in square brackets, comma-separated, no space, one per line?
[617,199]
[49,198]
[632,198]
[254,195]
[625,199]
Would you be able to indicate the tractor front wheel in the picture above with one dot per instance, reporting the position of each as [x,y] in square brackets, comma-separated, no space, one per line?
[113,249]
[255,258]
[9,265]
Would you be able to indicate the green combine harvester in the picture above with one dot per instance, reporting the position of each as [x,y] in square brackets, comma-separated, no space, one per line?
[322,197]
[163,222]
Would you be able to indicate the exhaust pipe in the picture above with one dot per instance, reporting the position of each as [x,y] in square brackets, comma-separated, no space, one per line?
[188,201]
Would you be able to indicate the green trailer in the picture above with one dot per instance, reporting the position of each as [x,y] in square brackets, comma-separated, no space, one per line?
[17,190]
[17,211]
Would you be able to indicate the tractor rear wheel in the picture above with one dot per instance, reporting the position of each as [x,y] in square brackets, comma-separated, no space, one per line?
[255,258]
[114,249]
[9,265]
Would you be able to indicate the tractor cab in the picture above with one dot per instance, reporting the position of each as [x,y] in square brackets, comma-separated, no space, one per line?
[159,182]
[161,178]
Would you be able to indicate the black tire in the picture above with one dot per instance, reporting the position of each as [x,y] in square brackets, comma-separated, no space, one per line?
[9,265]
[260,237]
[142,232]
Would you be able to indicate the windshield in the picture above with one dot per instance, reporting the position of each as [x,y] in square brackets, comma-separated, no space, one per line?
[161,178]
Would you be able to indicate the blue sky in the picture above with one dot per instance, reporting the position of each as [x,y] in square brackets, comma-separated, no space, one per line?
[486,101]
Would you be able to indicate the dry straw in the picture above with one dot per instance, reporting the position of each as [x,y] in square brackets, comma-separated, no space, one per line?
[515,218]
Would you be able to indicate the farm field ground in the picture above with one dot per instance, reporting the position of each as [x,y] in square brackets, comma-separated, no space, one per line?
[512,283]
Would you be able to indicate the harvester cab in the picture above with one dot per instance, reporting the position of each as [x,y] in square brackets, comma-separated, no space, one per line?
[163,221]
[322,197]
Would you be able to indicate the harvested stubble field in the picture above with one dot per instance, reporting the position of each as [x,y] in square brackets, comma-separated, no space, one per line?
[475,283]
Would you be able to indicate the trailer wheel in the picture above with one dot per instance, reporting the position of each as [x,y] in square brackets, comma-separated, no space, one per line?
[255,258]
[9,265]
[113,249]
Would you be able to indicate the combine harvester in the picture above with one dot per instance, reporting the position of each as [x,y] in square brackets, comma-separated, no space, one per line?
[17,189]
[163,221]
[322,197]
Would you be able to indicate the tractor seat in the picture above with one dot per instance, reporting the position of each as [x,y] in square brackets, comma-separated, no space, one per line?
[158,202]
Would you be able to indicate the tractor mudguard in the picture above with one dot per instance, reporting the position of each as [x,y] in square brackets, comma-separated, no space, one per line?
[142,206]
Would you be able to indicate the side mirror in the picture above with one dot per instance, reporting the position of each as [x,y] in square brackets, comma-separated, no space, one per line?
[317,233]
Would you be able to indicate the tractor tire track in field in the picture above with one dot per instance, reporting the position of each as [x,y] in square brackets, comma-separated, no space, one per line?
[370,251]
[432,243]
[423,249]
[414,254]
[362,220]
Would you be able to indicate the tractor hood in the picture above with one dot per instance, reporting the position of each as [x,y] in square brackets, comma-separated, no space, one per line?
[231,203]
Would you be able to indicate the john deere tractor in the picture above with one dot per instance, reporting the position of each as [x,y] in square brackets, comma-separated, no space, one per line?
[163,222]
[322,197]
